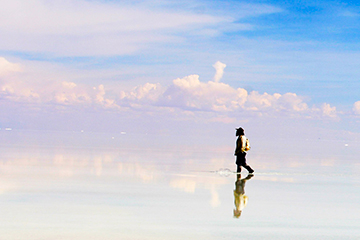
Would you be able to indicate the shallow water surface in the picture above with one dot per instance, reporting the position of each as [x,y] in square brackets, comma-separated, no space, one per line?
[72,192]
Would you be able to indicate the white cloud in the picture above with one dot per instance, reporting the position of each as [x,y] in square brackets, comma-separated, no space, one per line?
[14,92]
[11,87]
[219,67]
[35,85]
[292,102]
[91,27]
[356,107]
[8,67]
[69,85]
[103,100]
[328,111]
[190,93]
[141,96]
[187,94]
[68,93]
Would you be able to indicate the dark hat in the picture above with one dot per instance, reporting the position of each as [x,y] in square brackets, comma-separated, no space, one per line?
[239,131]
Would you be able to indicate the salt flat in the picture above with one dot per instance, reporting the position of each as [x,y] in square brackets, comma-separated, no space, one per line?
[100,187]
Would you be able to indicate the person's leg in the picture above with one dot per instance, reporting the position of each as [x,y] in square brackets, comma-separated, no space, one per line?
[239,161]
[247,167]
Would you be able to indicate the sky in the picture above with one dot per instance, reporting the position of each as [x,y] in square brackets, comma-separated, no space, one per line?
[181,67]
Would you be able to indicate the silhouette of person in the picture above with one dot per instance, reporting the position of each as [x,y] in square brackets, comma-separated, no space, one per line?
[242,146]
[240,199]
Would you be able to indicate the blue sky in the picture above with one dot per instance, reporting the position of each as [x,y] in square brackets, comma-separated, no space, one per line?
[70,65]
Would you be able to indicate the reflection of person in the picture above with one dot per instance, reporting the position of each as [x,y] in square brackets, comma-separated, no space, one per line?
[240,199]
[242,145]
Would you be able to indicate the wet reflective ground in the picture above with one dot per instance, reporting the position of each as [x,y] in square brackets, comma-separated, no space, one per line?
[58,191]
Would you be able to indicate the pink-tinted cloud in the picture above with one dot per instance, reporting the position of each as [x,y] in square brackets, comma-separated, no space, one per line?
[190,93]
[83,28]
[187,94]
[328,111]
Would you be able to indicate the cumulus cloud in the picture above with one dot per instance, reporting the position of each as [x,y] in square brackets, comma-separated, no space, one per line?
[328,111]
[356,107]
[100,97]
[18,88]
[190,93]
[148,92]
[11,87]
[288,102]
[219,67]
[68,93]
[20,93]
[187,94]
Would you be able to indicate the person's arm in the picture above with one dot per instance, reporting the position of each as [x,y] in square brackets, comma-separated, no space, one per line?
[238,146]
[243,143]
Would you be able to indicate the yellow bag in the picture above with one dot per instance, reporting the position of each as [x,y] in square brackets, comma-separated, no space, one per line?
[247,145]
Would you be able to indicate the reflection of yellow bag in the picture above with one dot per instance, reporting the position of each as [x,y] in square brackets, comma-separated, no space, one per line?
[247,145]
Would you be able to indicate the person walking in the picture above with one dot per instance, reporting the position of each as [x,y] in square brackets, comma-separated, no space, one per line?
[242,146]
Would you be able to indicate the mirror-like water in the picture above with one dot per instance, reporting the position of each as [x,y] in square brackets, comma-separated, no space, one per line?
[57,191]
